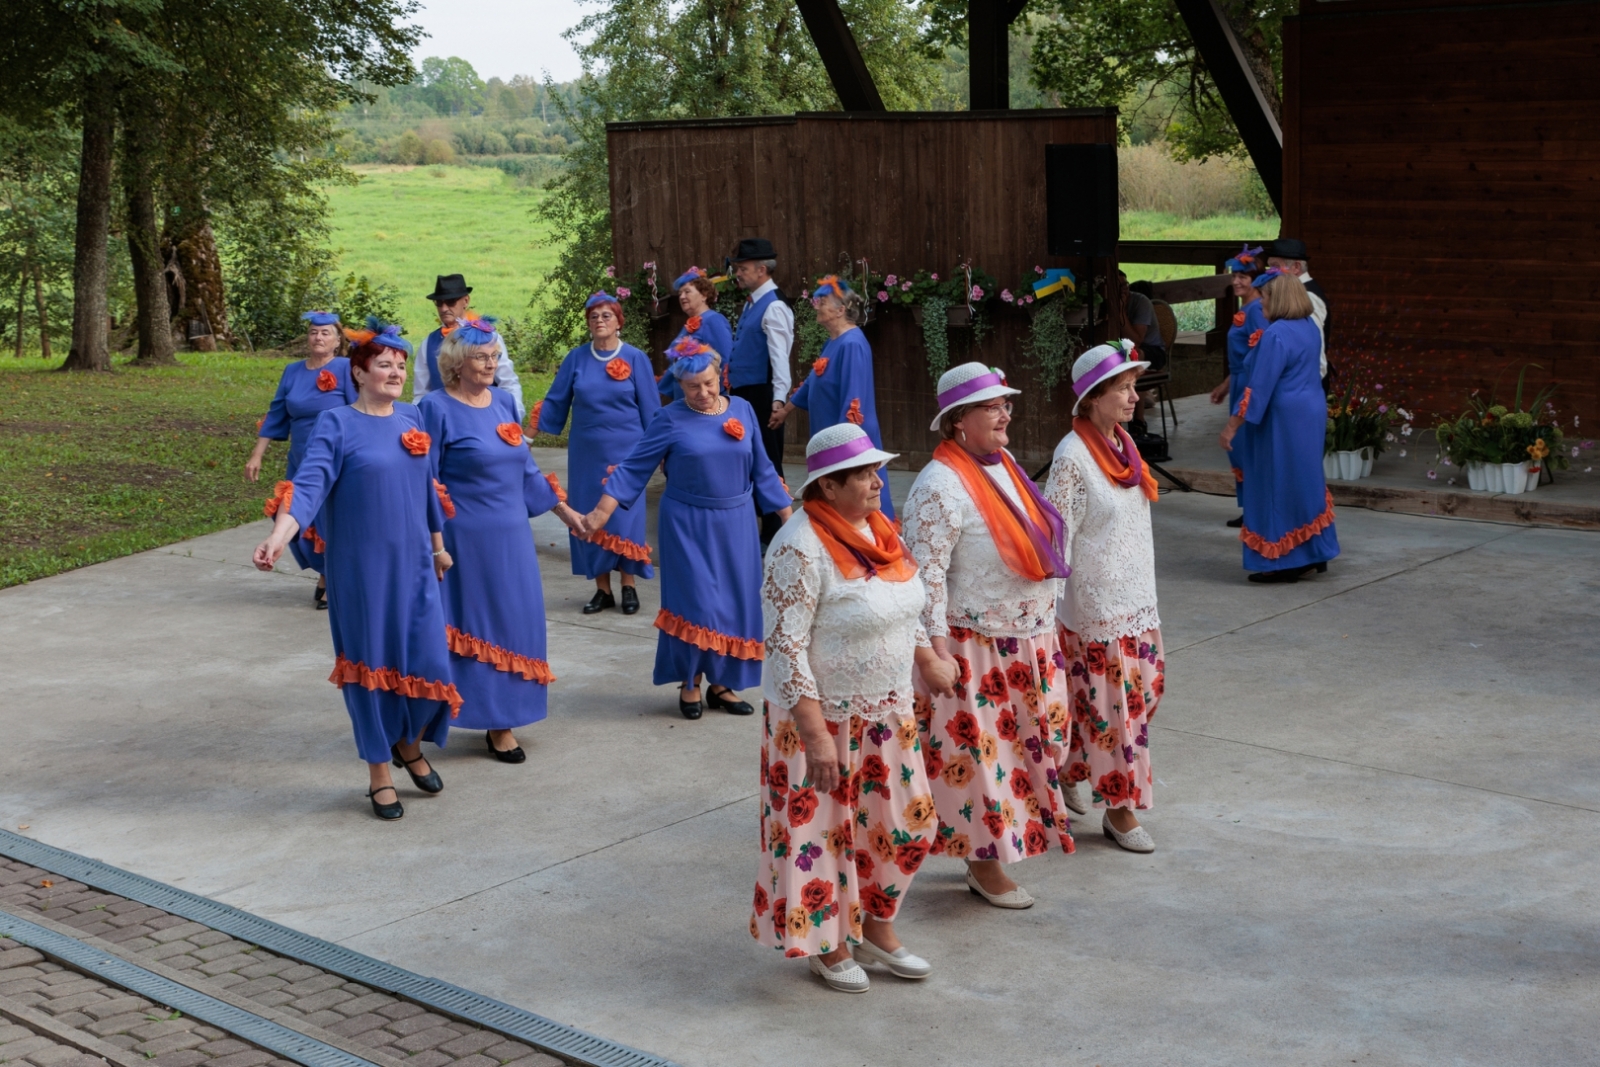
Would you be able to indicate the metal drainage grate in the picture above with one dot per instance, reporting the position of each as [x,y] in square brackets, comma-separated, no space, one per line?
[264,1033]
[547,1035]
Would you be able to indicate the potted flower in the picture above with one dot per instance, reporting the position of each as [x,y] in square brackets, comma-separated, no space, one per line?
[939,303]
[1357,430]
[1505,450]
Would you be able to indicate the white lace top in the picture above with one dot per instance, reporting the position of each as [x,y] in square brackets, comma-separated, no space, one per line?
[968,583]
[1112,590]
[848,643]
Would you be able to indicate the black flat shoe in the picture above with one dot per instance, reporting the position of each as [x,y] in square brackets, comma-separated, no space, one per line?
[1272,577]
[1234,524]
[509,755]
[715,700]
[428,783]
[319,597]
[386,812]
[599,602]
[630,600]
[688,709]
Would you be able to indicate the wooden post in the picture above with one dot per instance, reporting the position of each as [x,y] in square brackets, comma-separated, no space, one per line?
[837,47]
[1248,106]
[989,52]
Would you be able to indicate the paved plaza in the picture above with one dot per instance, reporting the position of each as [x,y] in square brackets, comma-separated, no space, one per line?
[1377,804]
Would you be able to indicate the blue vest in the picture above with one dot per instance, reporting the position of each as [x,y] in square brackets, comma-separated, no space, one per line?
[750,364]
[430,353]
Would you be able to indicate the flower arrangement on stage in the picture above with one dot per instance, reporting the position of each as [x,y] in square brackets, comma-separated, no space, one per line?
[1490,434]
[1357,423]
[1054,340]
[939,303]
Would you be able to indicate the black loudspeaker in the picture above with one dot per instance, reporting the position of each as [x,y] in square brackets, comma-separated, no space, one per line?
[1081,198]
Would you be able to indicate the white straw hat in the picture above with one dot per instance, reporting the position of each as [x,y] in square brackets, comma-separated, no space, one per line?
[841,447]
[1100,363]
[970,383]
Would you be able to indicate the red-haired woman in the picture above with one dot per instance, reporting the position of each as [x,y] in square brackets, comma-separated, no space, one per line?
[366,480]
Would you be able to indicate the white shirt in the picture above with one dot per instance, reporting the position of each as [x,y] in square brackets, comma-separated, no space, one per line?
[1319,315]
[778,325]
[505,376]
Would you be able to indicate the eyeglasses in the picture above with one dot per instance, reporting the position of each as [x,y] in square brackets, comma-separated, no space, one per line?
[485,357]
[997,410]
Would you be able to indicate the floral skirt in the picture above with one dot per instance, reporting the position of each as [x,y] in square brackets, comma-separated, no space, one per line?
[827,858]
[1115,686]
[992,750]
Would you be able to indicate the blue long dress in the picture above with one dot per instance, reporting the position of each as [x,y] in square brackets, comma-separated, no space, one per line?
[376,501]
[302,395]
[1239,351]
[710,619]
[1288,511]
[493,595]
[714,331]
[841,390]
[609,415]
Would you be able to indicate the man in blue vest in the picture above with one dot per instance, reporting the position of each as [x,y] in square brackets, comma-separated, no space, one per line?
[758,369]
[451,296]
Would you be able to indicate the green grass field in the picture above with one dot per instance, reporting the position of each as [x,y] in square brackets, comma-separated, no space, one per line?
[405,225]
[1159,226]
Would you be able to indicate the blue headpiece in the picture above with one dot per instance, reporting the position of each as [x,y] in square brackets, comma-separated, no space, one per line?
[379,333]
[690,357]
[321,318]
[1266,276]
[1248,260]
[688,276]
[479,331]
[602,297]
[832,285]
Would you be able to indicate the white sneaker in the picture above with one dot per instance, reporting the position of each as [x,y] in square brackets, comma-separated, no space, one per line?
[1016,899]
[900,962]
[1074,799]
[846,976]
[1135,840]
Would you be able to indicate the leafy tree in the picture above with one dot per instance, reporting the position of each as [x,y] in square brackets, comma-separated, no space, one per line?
[38,179]
[451,86]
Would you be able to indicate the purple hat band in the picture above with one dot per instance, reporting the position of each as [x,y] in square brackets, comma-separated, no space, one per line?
[827,457]
[956,393]
[1099,371]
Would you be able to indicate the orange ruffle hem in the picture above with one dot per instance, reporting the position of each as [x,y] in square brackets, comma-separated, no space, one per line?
[318,545]
[1244,403]
[533,416]
[621,546]
[282,496]
[1291,540]
[700,637]
[392,681]
[555,483]
[501,659]
[445,502]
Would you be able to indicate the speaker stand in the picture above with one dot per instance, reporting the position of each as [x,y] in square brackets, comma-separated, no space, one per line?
[1169,476]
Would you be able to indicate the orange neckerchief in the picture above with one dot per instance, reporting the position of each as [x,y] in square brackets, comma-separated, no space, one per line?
[1120,469]
[885,556]
[1017,548]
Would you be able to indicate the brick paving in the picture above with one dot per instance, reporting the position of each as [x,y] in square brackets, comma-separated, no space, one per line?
[394,1028]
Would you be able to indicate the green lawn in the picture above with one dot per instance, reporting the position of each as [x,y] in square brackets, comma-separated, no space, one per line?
[406,225]
[1159,226]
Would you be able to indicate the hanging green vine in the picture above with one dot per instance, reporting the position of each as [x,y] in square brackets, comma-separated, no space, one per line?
[1051,345]
[810,335]
[935,335]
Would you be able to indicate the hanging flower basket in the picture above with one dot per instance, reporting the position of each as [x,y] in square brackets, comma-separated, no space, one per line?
[959,316]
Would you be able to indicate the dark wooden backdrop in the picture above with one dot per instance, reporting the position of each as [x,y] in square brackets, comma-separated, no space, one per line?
[1442,163]
[905,190]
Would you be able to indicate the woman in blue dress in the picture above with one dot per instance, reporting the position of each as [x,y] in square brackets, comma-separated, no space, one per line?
[489,486]
[839,387]
[1288,512]
[710,619]
[308,388]
[697,295]
[1248,323]
[609,388]
[367,478]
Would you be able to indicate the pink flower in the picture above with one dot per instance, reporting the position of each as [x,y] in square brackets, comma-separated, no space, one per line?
[1379,388]
[883,297]
[1433,476]
[650,265]
[977,292]
[1574,451]
[1383,409]
[891,280]
[623,292]
[1447,461]
[1005,294]
[905,287]
[935,277]
[804,293]
[1028,299]
[1038,269]
[611,272]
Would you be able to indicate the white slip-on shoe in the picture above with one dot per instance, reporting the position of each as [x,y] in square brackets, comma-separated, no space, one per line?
[1015,899]
[1074,799]
[1135,840]
[900,962]
[846,976]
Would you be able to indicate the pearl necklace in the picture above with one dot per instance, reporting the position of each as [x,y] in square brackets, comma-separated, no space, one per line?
[717,409]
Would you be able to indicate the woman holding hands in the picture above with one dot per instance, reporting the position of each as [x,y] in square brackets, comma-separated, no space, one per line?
[697,296]
[1248,324]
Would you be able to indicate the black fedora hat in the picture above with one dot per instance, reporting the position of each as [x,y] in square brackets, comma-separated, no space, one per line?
[1287,248]
[753,248]
[449,288]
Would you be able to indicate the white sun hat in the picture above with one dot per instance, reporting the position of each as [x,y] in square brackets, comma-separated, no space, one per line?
[841,447]
[1100,363]
[970,383]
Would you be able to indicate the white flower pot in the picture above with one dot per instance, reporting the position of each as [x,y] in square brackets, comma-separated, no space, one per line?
[1330,465]
[1349,465]
[1475,477]
[1514,477]
[1366,463]
[1533,478]
[1494,478]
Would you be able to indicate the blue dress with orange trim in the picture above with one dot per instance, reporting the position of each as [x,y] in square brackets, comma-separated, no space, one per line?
[710,539]
[302,395]
[1288,511]
[714,331]
[368,480]
[489,487]
[1250,319]
[612,398]
[840,389]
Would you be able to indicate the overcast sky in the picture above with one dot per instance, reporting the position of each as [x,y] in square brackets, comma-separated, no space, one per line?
[502,37]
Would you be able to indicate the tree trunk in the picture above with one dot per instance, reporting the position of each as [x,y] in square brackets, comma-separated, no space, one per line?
[202,320]
[44,318]
[144,251]
[91,348]
[22,311]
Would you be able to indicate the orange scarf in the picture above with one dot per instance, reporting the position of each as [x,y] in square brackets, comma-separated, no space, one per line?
[1031,554]
[885,556]
[1126,470]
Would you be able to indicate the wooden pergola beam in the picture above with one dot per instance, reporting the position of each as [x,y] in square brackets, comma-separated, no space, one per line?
[840,56]
[989,52]
[1224,57]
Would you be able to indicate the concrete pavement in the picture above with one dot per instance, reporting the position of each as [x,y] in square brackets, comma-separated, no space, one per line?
[1377,804]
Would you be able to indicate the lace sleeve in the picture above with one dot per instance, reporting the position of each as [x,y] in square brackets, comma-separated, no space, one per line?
[921,637]
[932,528]
[789,593]
[1065,489]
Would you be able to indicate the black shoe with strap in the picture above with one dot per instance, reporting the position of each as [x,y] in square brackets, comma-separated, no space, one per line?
[1234,524]
[599,602]
[319,597]
[689,709]
[718,698]
[505,755]
[386,812]
[630,600]
[428,783]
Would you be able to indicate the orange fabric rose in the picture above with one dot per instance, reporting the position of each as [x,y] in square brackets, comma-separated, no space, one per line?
[533,416]
[1238,318]
[1255,338]
[854,414]
[620,369]
[820,367]
[693,325]
[510,433]
[416,442]
[326,381]
[734,429]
